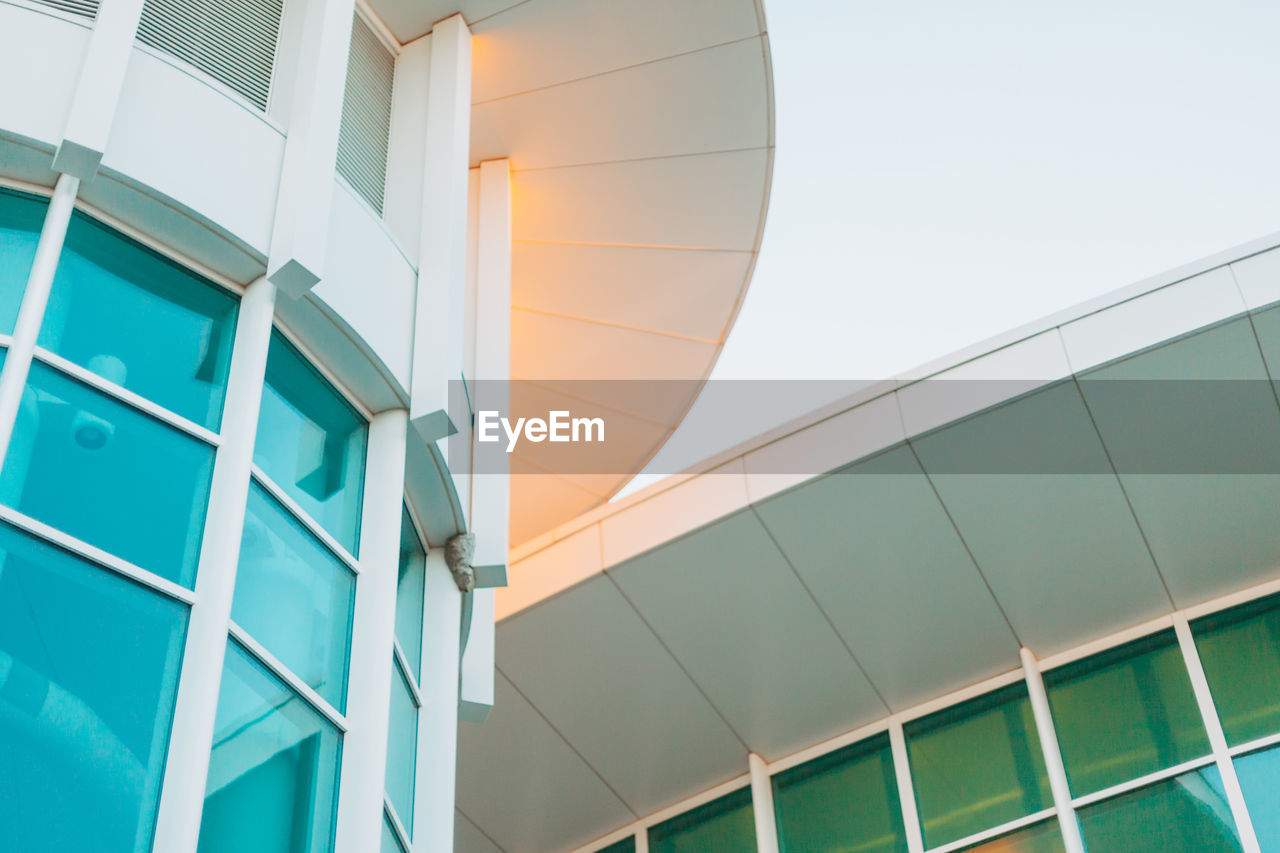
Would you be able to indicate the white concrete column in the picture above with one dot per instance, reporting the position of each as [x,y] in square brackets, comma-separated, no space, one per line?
[182,795]
[364,748]
[17,362]
[93,107]
[762,805]
[300,230]
[438,717]
[442,246]
[1217,737]
[906,791]
[1057,771]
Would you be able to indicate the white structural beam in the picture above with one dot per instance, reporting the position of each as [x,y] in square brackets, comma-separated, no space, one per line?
[364,748]
[906,791]
[762,805]
[17,362]
[194,716]
[1052,754]
[301,226]
[437,348]
[93,107]
[438,716]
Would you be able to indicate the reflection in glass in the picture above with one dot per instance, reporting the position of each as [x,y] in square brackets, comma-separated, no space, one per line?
[141,321]
[402,748]
[273,774]
[626,845]
[1125,713]
[294,597]
[1043,837]
[108,475]
[977,765]
[21,217]
[845,800]
[88,673]
[1186,814]
[1240,651]
[410,591]
[311,442]
[726,825]
[1259,774]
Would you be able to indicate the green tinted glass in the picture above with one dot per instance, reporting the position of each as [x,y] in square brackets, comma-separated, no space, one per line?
[88,673]
[273,774]
[1240,651]
[845,800]
[1259,774]
[141,321]
[1125,713]
[109,475]
[626,845]
[295,597]
[390,843]
[21,217]
[1043,837]
[402,748]
[311,442]
[1186,814]
[726,825]
[410,591]
[977,765]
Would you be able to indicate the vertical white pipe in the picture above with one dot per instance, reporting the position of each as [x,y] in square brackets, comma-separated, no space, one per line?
[1057,771]
[364,748]
[182,796]
[762,805]
[17,362]
[438,717]
[906,793]
[1217,737]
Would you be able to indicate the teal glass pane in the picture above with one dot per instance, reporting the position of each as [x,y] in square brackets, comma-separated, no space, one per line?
[977,765]
[141,320]
[1043,837]
[845,800]
[294,597]
[726,825]
[390,843]
[1125,713]
[273,773]
[311,442]
[21,217]
[626,845]
[88,673]
[1240,651]
[1259,774]
[402,748]
[1186,814]
[109,475]
[410,593]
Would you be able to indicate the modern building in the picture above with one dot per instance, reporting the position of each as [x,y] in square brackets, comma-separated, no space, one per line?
[249,252]
[1023,599]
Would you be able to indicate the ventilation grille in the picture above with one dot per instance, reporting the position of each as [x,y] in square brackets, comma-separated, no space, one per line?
[366,115]
[83,8]
[233,41]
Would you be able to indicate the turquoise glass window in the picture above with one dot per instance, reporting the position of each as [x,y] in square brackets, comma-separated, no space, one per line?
[88,673]
[273,773]
[390,843]
[311,442]
[294,597]
[410,594]
[845,800]
[141,321]
[977,765]
[1043,837]
[21,217]
[402,748]
[1186,814]
[108,474]
[726,825]
[1240,651]
[1125,713]
[1259,774]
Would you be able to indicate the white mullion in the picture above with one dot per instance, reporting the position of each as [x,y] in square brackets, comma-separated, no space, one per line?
[397,825]
[995,831]
[95,555]
[5,341]
[906,791]
[407,675]
[291,680]
[1254,745]
[1217,738]
[1142,782]
[124,395]
[1052,753]
[762,805]
[326,538]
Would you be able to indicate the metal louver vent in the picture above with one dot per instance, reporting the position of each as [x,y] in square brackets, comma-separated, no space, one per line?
[366,114]
[83,8]
[233,41]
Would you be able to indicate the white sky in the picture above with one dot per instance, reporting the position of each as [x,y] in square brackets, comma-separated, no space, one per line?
[948,170]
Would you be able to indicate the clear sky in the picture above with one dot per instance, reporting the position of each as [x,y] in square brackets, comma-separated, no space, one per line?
[948,170]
